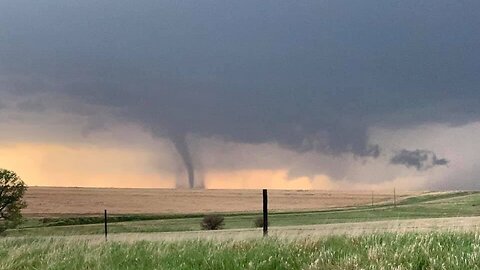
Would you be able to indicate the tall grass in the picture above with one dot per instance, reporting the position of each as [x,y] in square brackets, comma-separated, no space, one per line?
[376,251]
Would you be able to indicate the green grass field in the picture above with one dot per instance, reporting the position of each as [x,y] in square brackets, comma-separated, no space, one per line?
[454,204]
[377,251]
[75,243]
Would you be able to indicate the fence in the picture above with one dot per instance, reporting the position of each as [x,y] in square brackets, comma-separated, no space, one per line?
[284,207]
[265,216]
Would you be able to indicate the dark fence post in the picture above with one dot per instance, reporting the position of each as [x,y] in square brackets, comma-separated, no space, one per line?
[106,226]
[265,212]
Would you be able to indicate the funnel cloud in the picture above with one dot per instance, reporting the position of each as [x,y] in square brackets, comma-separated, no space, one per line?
[179,140]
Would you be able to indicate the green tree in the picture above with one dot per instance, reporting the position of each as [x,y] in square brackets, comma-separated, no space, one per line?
[12,189]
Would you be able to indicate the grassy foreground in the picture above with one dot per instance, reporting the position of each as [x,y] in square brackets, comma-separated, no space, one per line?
[376,251]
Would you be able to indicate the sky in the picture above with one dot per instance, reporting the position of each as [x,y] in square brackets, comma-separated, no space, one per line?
[241,94]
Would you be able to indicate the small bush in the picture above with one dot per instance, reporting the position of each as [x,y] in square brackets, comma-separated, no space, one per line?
[258,222]
[213,222]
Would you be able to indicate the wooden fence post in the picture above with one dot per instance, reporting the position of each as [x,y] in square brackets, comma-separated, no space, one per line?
[106,226]
[265,212]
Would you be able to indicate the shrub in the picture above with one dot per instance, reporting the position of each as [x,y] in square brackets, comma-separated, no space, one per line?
[213,222]
[258,222]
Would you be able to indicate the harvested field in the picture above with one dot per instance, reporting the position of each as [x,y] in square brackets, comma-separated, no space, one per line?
[66,201]
[421,208]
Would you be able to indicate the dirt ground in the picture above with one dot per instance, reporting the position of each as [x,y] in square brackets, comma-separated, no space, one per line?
[66,201]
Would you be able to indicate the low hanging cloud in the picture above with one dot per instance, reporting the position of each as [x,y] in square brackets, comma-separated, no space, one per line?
[419,159]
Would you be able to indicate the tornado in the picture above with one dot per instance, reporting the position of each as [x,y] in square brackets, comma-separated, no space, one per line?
[181,145]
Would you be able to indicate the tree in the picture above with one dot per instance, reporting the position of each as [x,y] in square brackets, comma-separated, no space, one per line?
[12,189]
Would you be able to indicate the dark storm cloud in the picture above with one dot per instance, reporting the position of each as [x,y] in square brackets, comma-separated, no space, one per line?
[309,75]
[31,106]
[418,159]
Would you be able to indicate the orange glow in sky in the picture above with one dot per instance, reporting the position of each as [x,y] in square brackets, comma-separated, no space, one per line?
[80,165]
[88,166]
[56,165]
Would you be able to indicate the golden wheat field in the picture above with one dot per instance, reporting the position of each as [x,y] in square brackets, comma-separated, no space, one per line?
[65,201]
